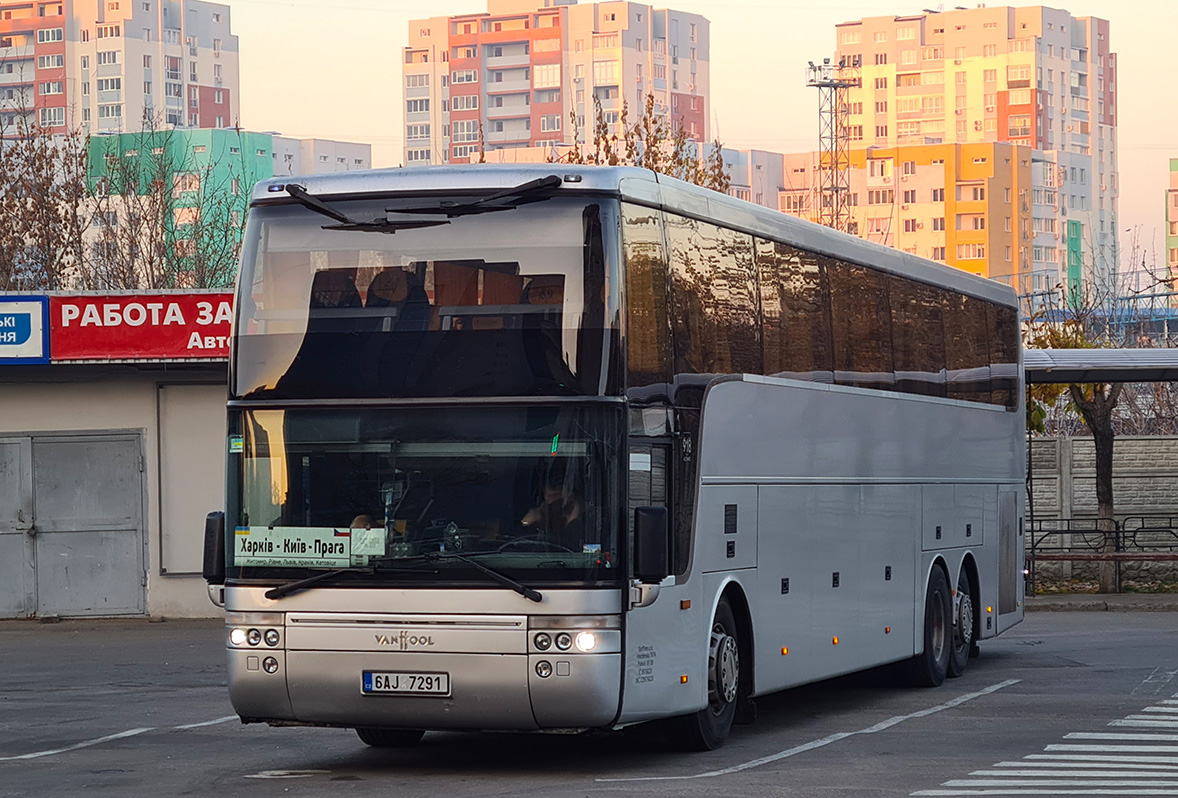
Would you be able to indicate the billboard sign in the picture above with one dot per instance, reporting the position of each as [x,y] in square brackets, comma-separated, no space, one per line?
[24,329]
[160,326]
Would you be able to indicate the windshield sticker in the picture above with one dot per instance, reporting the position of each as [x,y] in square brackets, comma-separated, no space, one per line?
[368,542]
[292,546]
[236,444]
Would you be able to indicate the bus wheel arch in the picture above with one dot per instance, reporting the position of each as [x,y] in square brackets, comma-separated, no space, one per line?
[729,670]
[966,590]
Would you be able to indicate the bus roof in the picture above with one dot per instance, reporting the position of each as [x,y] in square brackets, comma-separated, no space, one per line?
[645,187]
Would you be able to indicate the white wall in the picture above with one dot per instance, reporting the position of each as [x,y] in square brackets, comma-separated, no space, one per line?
[94,401]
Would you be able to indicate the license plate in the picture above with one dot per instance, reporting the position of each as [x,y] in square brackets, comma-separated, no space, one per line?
[405,683]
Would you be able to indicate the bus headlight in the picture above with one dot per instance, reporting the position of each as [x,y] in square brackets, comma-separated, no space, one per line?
[543,641]
[586,641]
[237,637]
[271,637]
[564,641]
[253,637]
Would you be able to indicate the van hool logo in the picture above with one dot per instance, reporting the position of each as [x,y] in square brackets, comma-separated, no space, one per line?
[404,640]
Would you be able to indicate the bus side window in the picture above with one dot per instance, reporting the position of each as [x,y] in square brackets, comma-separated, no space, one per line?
[648,331]
[862,326]
[795,313]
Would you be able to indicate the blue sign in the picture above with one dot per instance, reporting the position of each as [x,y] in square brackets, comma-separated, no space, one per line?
[24,329]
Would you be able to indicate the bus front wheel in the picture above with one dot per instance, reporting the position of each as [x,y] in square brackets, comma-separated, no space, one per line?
[707,729]
[390,738]
[928,668]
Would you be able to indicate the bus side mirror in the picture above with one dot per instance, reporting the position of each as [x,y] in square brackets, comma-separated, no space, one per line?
[652,544]
[214,562]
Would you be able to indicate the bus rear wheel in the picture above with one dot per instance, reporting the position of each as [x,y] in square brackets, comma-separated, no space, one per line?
[390,738]
[963,627]
[929,668]
[707,729]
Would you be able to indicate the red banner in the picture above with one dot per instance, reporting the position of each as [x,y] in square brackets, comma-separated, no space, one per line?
[152,326]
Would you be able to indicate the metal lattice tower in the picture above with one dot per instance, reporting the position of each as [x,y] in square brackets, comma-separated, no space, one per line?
[834,160]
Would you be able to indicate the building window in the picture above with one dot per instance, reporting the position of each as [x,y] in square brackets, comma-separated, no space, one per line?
[909,196]
[47,35]
[110,112]
[938,195]
[464,76]
[109,32]
[465,130]
[109,84]
[881,83]
[464,102]
[53,61]
[53,117]
[52,87]
[416,106]
[549,123]
[939,222]
[605,73]
[107,57]
[416,81]
[971,251]
[417,131]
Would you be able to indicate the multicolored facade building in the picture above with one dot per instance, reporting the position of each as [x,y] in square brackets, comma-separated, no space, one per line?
[1172,223]
[1035,77]
[108,66]
[531,73]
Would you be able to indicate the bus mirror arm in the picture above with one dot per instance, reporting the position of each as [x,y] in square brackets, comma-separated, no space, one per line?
[642,594]
[214,555]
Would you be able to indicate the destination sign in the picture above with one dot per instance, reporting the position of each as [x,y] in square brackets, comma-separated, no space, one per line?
[305,547]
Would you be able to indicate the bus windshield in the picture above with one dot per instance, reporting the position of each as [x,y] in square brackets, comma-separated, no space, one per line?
[529,490]
[518,302]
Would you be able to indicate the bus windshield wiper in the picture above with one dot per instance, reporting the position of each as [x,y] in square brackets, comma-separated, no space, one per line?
[303,584]
[500,577]
[311,202]
[504,200]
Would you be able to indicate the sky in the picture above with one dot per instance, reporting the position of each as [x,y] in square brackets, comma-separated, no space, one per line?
[332,69]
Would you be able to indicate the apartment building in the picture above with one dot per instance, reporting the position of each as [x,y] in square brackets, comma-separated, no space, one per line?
[967,205]
[318,156]
[109,66]
[529,73]
[1035,77]
[1172,223]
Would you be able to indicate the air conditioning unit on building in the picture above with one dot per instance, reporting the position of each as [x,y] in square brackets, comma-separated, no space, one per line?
[920,225]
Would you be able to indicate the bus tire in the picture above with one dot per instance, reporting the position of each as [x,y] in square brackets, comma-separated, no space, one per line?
[964,610]
[390,738]
[928,668]
[707,729]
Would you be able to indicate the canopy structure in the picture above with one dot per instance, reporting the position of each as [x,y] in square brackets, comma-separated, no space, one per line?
[1100,365]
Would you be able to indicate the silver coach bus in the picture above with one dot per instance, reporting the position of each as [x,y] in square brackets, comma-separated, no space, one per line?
[563,448]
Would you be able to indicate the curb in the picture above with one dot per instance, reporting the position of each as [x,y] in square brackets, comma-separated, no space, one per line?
[1117,603]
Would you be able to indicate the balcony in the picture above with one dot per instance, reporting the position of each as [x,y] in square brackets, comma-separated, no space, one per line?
[508,111]
[508,61]
[505,136]
[508,86]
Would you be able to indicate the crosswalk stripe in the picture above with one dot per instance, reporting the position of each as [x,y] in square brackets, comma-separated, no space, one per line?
[1113,749]
[1172,709]
[1105,758]
[1070,772]
[1100,763]
[1059,783]
[1146,723]
[1036,791]
[1122,736]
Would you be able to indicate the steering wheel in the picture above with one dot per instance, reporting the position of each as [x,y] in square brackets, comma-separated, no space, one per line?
[536,542]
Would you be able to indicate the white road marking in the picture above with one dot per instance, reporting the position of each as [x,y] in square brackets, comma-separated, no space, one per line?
[1161,709]
[1105,758]
[810,746]
[1077,772]
[1058,783]
[1154,683]
[287,774]
[76,746]
[214,722]
[1116,749]
[1145,722]
[109,737]
[1121,736]
[1093,763]
[1137,792]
